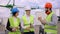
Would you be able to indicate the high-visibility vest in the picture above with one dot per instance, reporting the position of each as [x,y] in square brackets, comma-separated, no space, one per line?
[14,24]
[27,24]
[50,28]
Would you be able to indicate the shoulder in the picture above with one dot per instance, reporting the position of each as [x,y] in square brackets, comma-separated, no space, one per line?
[54,15]
[9,18]
[32,16]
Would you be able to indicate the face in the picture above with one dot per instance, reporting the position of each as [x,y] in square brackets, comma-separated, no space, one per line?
[17,14]
[47,11]
[28,12]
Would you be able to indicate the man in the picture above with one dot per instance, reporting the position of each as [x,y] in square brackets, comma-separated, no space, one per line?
[13,24]
[27,22]
[50,21]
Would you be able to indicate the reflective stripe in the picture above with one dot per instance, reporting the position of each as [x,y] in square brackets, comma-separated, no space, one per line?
[50,27]
[17,32]
[32,30]
[51,31]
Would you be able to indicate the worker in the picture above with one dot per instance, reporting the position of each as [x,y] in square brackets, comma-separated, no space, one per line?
[50,21]
[13,24]
[27,21]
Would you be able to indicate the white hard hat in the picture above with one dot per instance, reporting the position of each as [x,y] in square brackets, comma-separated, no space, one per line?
[27,8]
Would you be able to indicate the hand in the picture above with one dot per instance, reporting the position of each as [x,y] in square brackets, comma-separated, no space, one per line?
[17,27]
[39,18]
[28,28]
[44,21]
[13,29]
[31,25]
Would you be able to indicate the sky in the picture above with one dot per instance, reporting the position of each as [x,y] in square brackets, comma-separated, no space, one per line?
[33,3]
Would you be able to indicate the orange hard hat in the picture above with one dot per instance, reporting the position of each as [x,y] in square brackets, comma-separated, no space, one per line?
[48,5]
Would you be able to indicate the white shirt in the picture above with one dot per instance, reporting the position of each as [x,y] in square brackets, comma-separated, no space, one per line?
[15,19]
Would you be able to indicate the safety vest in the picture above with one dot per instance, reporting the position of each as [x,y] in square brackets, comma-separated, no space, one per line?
[27,24]
[14,24]
[50,28]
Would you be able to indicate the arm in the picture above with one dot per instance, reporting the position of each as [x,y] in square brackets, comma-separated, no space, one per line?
[22,24]
[43,21]
[8,26]
[54,20]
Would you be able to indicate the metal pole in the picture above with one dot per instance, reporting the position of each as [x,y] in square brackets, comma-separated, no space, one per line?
[8,2]
[59,11]
[58,27]
[58,24]
[13,2]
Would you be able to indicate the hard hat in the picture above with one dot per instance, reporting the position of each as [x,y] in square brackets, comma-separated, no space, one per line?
[48,5]
[14,10]
[27,8]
